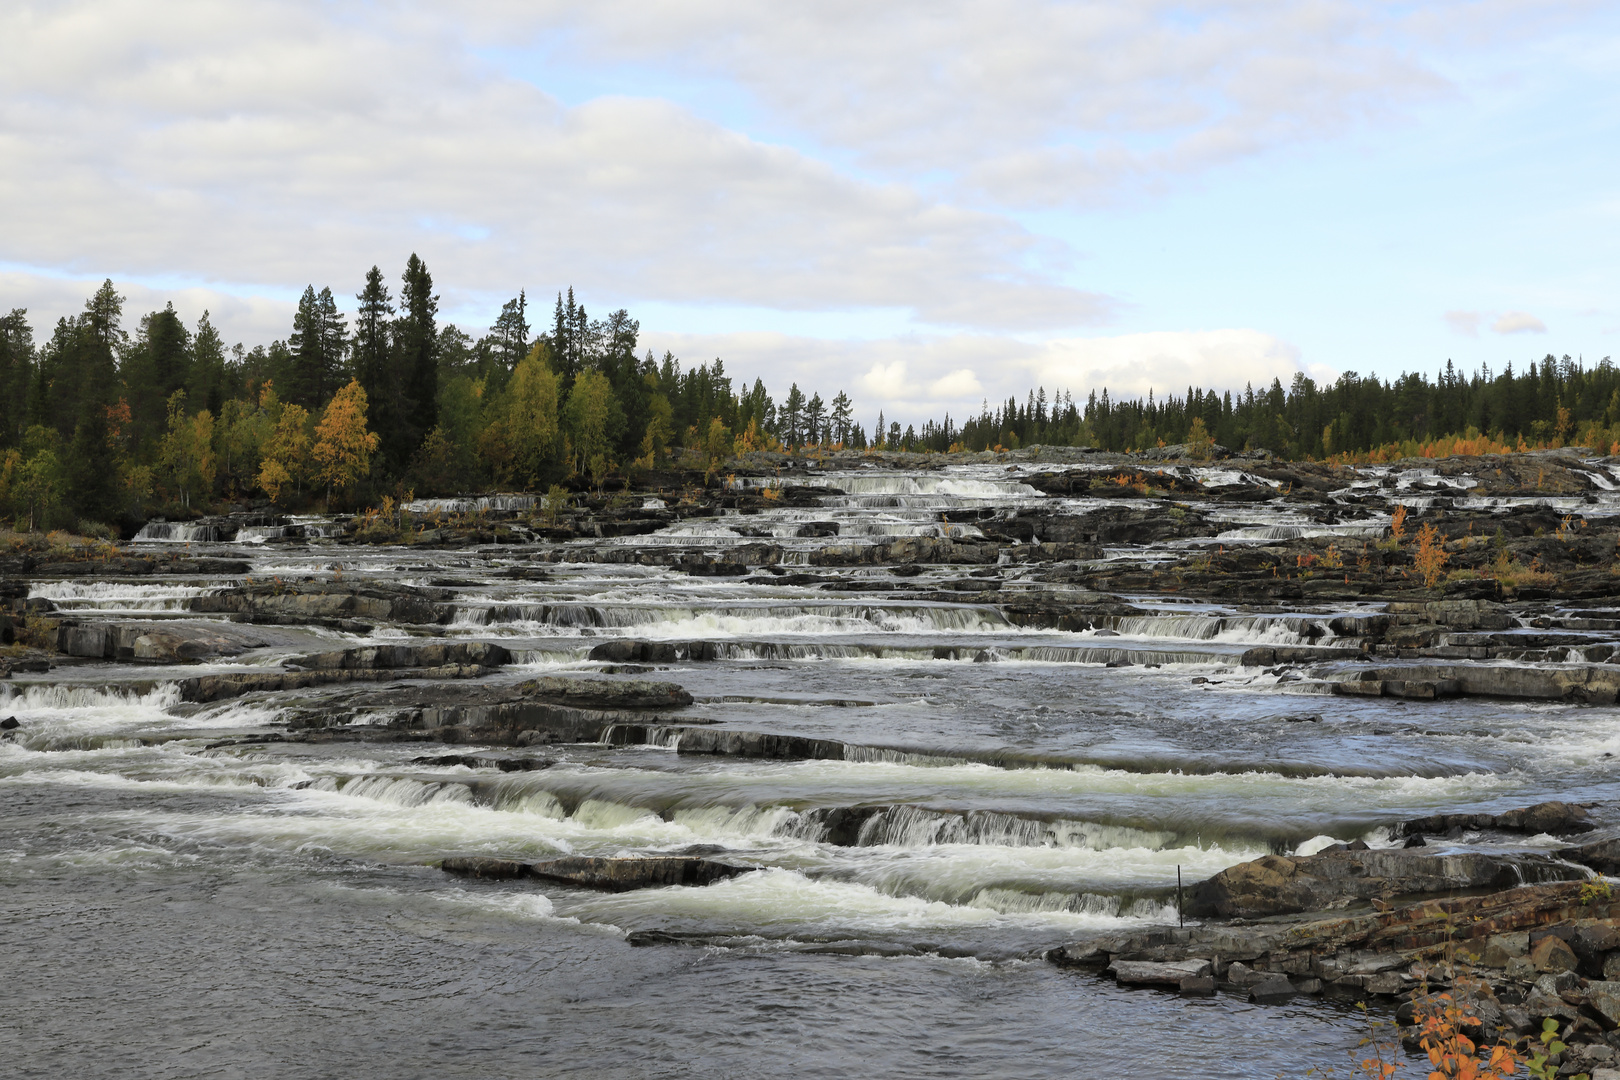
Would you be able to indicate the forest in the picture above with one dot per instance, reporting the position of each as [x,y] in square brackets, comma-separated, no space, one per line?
[107,422]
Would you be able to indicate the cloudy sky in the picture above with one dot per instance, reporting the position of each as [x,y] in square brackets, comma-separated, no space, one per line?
[923,203]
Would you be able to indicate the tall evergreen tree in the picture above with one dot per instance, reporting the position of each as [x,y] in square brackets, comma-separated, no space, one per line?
[371,356]
[815,420]
[791,418]
[418,344]
[92,472]
[207,386]
[16,374]
[843,411]
[314,369]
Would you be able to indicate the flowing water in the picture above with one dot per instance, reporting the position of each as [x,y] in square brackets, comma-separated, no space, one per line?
[176,908]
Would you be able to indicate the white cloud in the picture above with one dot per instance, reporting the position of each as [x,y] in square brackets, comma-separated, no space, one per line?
[266,144]
[250,320]
[1170,362]
[916,378]
[1464,322]
[961,384]
[886,381]
[1518,322]
[1032,102]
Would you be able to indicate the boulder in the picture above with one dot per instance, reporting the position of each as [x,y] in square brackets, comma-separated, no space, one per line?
[1603,998]
[1240,974]
[1198,986]
[1272,989]
[1553,954]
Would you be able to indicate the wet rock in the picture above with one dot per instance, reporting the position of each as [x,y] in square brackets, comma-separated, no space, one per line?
[1594,684]
[1547,817]
[606,693]
[208,688]
[379,601]
[477,653]
[1272,990]
[10,723]
[1280,885]
[759,744]
[1602,856]
[656,652]
[479,867]
[474,762]
[1240,974]
[1149,973]
[625,874]
[1198,986]
[906,550]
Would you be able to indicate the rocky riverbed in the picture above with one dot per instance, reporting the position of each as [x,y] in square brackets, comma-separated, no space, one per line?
[810,716]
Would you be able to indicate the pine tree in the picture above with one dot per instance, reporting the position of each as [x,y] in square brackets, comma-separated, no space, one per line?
[510,334]
[792,417]
[815,420]
[842,414]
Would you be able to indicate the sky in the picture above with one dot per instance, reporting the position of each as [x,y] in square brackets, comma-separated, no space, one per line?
[924,204]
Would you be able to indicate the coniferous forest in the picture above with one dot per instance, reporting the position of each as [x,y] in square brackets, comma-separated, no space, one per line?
[113,418]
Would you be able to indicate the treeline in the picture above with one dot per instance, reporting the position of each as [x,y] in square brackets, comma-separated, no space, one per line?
[1553,402]
[107,423]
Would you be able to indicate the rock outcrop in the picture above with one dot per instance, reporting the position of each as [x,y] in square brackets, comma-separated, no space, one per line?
[1557,818]
[605,874]
[1283,885]
[377,601]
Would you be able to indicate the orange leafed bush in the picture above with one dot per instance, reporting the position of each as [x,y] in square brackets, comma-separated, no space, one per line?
[1431,556]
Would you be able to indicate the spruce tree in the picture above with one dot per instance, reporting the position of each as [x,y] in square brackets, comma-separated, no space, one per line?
[207,387]
[417,341]
[16,374]
[370,356]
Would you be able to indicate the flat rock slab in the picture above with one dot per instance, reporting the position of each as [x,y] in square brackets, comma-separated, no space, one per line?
[1150,973]
[607,693]
[623,875]
[169,641]
[480,653]
[1286,885]
[608,875]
